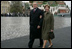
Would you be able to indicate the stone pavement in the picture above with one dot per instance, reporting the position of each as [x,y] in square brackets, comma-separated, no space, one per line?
[15,32]
[62,40]
[14,27]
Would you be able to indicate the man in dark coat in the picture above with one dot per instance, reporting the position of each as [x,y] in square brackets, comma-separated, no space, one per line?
[35,25]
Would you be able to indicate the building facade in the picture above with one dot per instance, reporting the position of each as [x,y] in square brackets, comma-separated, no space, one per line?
[60,2]
[55,6]
[5,6]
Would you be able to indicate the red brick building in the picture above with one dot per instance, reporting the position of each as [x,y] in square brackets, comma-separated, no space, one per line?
[60,2]
[62,10]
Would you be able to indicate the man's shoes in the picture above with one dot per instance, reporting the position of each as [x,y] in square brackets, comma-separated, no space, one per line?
[40,46]
[30,47]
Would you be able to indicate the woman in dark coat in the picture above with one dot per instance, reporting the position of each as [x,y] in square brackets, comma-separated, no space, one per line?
[48,26]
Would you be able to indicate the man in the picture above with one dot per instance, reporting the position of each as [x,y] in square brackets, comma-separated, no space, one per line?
[35,25]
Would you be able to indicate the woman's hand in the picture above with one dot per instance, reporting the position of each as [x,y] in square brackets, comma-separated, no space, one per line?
[38,27]
[51,30]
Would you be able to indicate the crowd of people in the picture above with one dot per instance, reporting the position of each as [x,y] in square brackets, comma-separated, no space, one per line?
[18,14]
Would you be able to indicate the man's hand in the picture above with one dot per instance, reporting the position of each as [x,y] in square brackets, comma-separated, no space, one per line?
[40,16]
[51,30]
[38,27]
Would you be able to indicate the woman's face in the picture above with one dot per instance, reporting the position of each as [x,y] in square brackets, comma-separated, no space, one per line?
[46,9]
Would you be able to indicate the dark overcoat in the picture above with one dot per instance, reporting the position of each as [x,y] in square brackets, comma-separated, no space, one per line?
[35,20]
[48,25]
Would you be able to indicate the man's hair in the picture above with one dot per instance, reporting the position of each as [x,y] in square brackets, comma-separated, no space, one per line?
[35,3]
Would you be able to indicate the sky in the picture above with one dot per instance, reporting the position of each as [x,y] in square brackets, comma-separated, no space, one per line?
[67,3]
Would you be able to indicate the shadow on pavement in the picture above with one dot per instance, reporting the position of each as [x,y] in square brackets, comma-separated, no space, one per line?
[62,40]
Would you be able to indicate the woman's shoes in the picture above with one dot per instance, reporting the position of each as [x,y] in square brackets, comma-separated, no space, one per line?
[50,46]
[43,47]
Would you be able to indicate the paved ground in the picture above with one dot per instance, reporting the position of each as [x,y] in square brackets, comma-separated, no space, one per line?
[62,40]
[15,29]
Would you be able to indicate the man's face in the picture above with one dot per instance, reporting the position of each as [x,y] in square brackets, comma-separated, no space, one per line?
[34,5]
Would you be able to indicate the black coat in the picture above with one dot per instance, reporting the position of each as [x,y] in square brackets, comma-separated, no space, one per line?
[35,20]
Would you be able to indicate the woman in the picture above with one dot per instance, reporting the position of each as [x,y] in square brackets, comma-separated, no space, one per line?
[48,26]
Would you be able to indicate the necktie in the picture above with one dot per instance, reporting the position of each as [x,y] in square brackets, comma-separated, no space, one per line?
[34,10]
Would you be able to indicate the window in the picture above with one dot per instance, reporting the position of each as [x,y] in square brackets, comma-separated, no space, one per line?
[51,10]
[3,7]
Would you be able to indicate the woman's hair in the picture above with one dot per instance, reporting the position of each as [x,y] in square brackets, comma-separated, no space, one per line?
[46,6]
